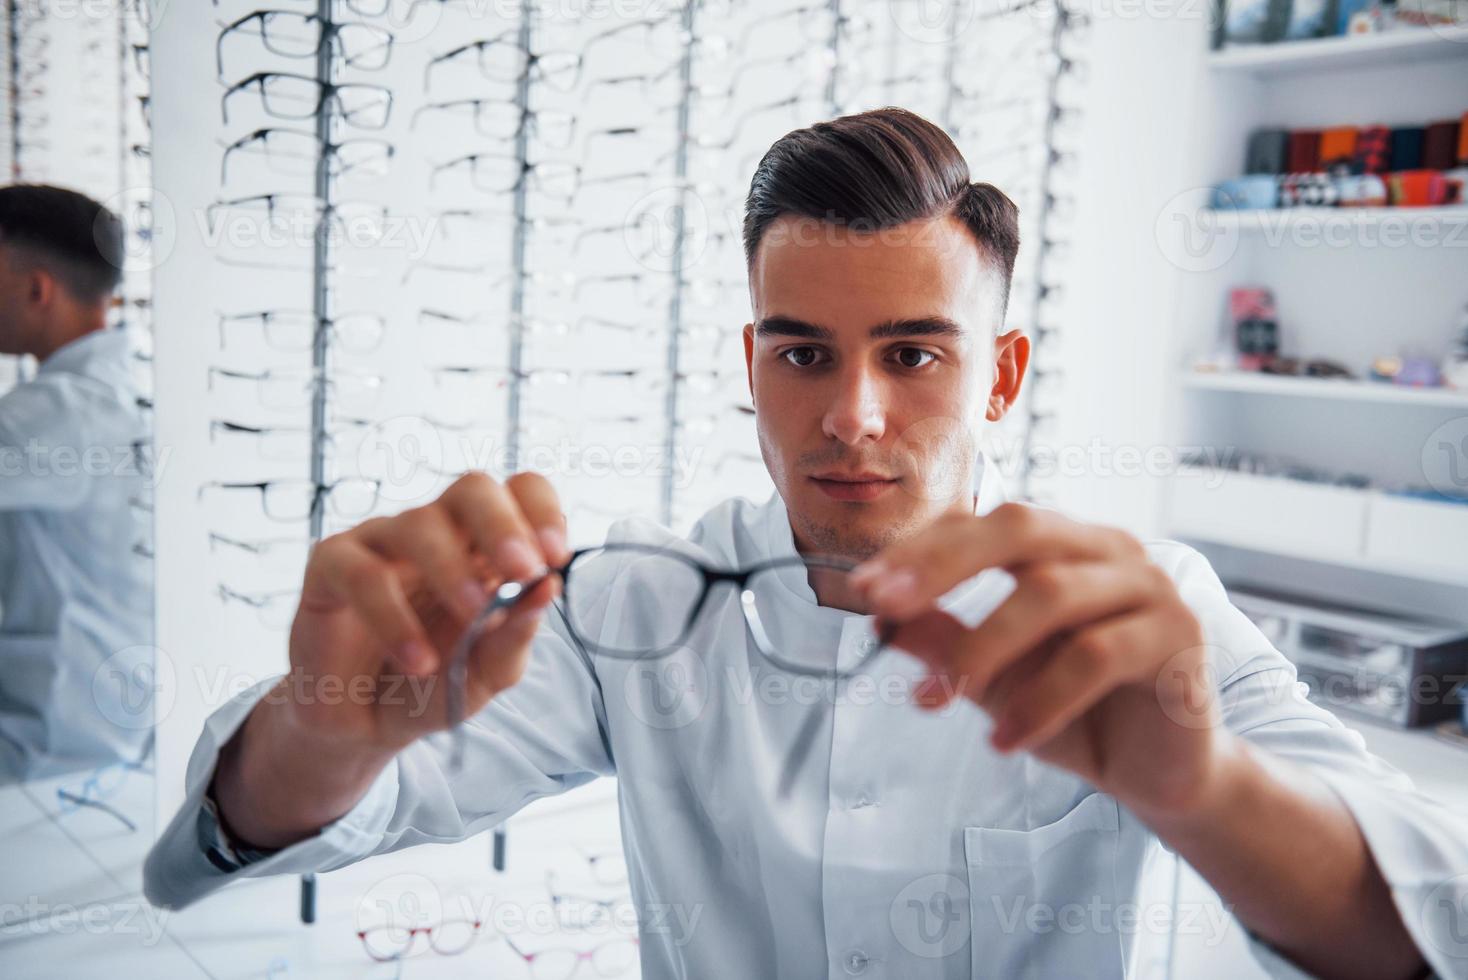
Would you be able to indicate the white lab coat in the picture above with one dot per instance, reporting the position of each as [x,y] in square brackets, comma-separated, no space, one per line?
[908,848]
[76,599]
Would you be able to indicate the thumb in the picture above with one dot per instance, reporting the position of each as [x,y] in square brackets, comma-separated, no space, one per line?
[500,655]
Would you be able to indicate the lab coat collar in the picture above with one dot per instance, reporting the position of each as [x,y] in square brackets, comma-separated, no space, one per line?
[74,356]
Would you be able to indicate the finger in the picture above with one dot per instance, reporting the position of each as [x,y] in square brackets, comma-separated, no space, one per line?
[914,573]
[492,517]
[542,509]
[428,539]
[499,656]
[1086,668]
[344,572]
[943,685]
[1049,599]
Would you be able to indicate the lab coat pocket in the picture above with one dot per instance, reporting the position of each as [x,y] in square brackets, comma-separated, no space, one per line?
[1043,901]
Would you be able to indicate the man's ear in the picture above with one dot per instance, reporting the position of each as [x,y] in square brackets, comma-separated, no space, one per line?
[1011,358]
[40,287]
[749,357]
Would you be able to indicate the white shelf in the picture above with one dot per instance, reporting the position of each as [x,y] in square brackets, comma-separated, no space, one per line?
[1344,526]
[1336,388]
[1392,48]
[1390,220]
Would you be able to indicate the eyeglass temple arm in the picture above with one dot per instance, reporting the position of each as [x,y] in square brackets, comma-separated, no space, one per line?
[805,738]
[505,596]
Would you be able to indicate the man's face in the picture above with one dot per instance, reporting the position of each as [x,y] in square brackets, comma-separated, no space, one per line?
[873,362]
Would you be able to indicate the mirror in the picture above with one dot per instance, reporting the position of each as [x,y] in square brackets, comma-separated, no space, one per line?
[77,655]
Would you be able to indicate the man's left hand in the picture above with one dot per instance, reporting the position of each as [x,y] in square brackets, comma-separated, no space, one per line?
[1094,663]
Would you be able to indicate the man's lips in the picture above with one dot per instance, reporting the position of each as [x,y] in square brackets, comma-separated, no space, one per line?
[853,486]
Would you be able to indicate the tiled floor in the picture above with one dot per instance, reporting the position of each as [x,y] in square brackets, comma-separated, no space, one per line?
[251,929]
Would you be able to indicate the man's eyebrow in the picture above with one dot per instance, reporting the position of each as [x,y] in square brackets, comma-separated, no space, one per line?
[785,326]
[925,326]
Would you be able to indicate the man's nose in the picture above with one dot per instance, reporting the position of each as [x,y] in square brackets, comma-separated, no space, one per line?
[857,410]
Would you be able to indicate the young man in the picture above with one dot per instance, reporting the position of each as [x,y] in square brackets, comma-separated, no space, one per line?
[1129,701]
[76,600]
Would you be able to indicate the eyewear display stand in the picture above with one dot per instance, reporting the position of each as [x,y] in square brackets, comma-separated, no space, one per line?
[16,33]
[704,84]
[321,309]
[1039,332]
[675,303]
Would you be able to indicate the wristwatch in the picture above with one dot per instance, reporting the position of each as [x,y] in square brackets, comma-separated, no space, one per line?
[223,852]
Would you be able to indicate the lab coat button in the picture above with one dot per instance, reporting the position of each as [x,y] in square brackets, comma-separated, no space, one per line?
[855,962]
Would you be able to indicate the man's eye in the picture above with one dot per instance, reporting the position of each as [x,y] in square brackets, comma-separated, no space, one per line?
[914,357]
[801,356]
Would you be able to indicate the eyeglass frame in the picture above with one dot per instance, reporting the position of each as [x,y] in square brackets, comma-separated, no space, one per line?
[414,931]
[84,797]
[324,91]
[320,491]
[528,120]
[330,33]
[329,148]
[329,324]
[581,955]
[509,593]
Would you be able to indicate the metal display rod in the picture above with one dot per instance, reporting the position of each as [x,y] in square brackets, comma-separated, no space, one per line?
[1053,109]
[12,78]
[518,272]
[833,107]
[675,303]
[321,310]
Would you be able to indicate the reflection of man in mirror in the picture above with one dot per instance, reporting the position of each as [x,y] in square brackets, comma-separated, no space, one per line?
[76,600]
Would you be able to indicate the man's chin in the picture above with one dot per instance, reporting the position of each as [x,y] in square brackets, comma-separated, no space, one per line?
[851,529]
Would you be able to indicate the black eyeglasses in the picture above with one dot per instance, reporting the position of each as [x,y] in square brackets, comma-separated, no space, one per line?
[297,34]
[287,95]
[284,442]
[502,58]
[277,554]
[502,173]
[290,390]
[362,8]
[354,221]
[275,608]
[681,585]
[293,153]
[104,782]
[295,330]
[298,500]
[503,121]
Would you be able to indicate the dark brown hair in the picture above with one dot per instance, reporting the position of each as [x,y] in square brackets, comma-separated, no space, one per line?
[73,237]
[876,170]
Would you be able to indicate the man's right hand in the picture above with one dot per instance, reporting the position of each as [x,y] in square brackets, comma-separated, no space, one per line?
[382,606]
